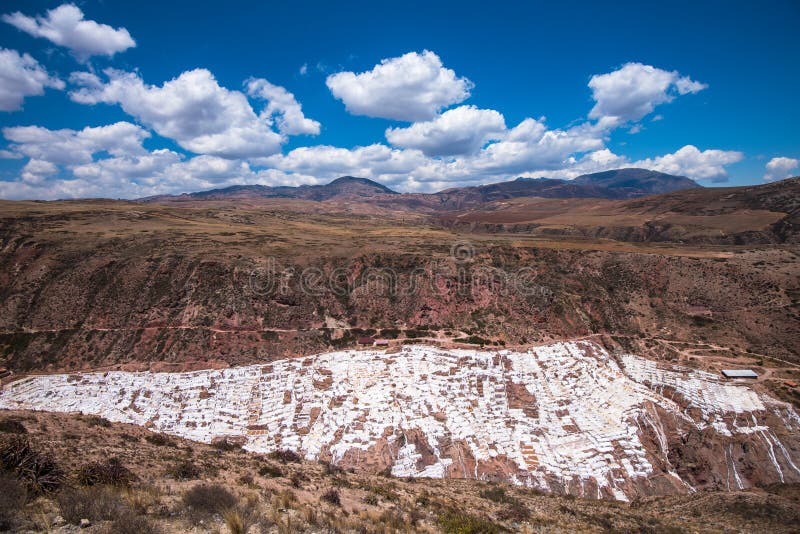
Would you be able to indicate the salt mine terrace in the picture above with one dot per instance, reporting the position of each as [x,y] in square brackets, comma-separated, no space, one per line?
[563,417]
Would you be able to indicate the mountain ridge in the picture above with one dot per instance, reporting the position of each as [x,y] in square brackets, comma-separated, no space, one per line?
[617,184]
[344,186]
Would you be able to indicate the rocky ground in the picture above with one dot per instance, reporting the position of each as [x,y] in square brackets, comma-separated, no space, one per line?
[89,285]
[211,284]
[152,486]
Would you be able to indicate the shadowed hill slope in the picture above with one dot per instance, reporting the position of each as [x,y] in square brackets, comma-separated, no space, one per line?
[618,184]
[768,213]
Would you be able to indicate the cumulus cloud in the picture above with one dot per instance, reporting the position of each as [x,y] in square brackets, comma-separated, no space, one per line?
[158,172]
[530,145]
[634,90]
[128,167]
[780,168]
[464,145]
[65,26]
[461,130]
[330,162]
[412,87]
[21,76]
[283,106]
[694,163]
[193,109]
[72,147]
[36,170]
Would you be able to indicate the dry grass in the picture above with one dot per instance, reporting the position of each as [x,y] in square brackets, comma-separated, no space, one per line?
[366,503]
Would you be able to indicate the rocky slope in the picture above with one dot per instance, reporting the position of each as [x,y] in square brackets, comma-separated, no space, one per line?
[761,214]
[563,418]
[84,285]
[270,495]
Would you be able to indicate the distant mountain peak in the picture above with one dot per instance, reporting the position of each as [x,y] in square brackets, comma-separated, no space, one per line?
[636,179]
[355,181]
[616,184]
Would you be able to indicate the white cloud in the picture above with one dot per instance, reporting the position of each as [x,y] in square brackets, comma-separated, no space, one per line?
[634,90]
[690,161]
[462,146]
[327,162]
[687,161]
[412,87]
[36,170]
[65,26]
[129,167]
[21,76]
[193,109]
[159,172]
[73,147]
[596,161]
[530,145]
[780,168]
[166,172]
[461,130]
[282,105]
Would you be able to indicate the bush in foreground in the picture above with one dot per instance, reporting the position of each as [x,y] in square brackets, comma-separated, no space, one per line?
[110,472]
[454,522]
[12,426]
[37,470]
[206,500]
[184,470]
[332,496]
[96,503]
[129,522]
[284,456]
[12,499]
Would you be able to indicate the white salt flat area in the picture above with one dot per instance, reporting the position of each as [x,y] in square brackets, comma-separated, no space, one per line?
[589,409]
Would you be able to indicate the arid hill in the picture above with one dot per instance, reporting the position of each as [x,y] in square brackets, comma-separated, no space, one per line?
[220,282]
[768,213]
[147,482]
[618,184]
[344,188]
[85,284]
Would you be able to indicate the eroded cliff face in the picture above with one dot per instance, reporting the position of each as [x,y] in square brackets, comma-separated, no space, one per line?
[566,417]
[147,304]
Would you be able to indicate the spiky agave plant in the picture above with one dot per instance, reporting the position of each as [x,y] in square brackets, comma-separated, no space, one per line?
[38,470]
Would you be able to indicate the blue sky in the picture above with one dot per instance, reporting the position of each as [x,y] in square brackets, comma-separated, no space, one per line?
[422,97]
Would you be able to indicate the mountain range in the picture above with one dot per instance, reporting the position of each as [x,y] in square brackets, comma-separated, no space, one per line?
[616,184]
